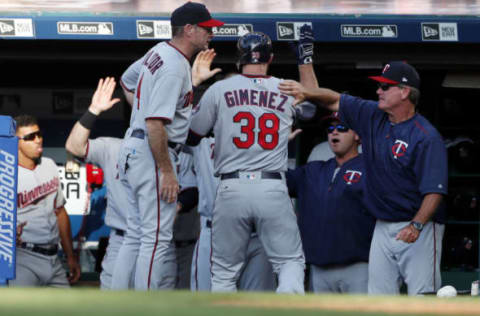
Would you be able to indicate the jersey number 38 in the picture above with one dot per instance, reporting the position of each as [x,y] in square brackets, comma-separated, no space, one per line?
[267,135]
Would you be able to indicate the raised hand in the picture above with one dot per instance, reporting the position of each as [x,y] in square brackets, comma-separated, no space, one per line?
[201,67]
[294,134]
[102,98]
[304,47]
[293,88]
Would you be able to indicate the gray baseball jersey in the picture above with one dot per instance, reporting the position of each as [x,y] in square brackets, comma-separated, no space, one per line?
[163,91]
[103,152]
[39,195]
[130,76]
[186,173]
[154,97]
[251,121]
[207,183]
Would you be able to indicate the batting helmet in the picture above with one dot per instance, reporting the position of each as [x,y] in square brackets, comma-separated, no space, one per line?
[254,48]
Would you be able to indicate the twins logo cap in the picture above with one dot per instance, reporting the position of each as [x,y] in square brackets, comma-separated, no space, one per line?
[399,72]
[332,117]
[193,13]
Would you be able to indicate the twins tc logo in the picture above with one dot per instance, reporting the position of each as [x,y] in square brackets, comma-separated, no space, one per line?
[352,176]
[387,66]
[399,148]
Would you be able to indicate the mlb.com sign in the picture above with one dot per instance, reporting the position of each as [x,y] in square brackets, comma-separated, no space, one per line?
[85,28]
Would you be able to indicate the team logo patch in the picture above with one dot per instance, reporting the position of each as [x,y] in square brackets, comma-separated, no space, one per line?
[290,31]
[16,28]
[447,32]
[369,31]
[159,29]
[399,148]
[352,176]
[85,28]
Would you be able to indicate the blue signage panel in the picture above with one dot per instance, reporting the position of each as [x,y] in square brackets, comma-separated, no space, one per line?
[8,198]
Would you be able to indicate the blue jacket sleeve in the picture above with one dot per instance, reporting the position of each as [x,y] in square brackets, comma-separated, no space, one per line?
[431,167]
[358,113]
[294,179]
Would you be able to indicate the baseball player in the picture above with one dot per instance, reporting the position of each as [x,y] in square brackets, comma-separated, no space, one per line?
[40,210]
[186,226]
[251,121]
[257,274]
[330,195]
[406,168]
[103,152]
[149,154]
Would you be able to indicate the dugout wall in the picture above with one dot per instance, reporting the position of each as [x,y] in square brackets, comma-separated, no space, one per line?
[51,61]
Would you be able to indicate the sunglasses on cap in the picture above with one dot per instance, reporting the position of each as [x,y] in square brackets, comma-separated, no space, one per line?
[31,136]
[339,127]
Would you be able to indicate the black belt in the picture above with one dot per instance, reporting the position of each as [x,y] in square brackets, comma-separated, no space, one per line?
[140,133]
[265,175]
[119,232]
[35,248]
[209,225]
[184,243]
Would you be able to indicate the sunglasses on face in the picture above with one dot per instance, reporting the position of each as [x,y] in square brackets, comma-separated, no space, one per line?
[339,127]
[31,136]
[385,86]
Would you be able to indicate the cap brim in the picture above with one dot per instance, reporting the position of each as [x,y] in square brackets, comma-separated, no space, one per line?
[328,119]
[211,23]
[383,79]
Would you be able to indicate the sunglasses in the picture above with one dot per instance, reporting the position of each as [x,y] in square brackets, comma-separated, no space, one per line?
[339,127]
[385,86]
[31,136]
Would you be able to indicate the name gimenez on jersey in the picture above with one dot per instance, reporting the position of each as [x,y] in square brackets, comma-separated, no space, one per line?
[26,198]
[266,99]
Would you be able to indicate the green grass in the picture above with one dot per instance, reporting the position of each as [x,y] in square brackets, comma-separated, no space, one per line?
[93,302]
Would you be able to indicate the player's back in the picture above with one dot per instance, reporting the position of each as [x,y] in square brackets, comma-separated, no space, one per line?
[251,120]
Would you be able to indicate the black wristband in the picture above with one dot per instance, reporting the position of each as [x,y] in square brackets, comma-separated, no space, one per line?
[195,89]
[88,119]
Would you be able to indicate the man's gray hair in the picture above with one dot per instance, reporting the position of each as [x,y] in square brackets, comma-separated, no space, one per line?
[414,95]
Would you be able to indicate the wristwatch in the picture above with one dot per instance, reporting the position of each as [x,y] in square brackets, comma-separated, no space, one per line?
[417,225]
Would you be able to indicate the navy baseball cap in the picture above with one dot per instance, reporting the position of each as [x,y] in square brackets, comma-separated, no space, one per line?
[332,117]
[193,13]
[399,72]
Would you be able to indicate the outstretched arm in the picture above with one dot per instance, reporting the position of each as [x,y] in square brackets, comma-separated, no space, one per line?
[324,97]
[201,67]
[308,88]
[101,101]
[303,50]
